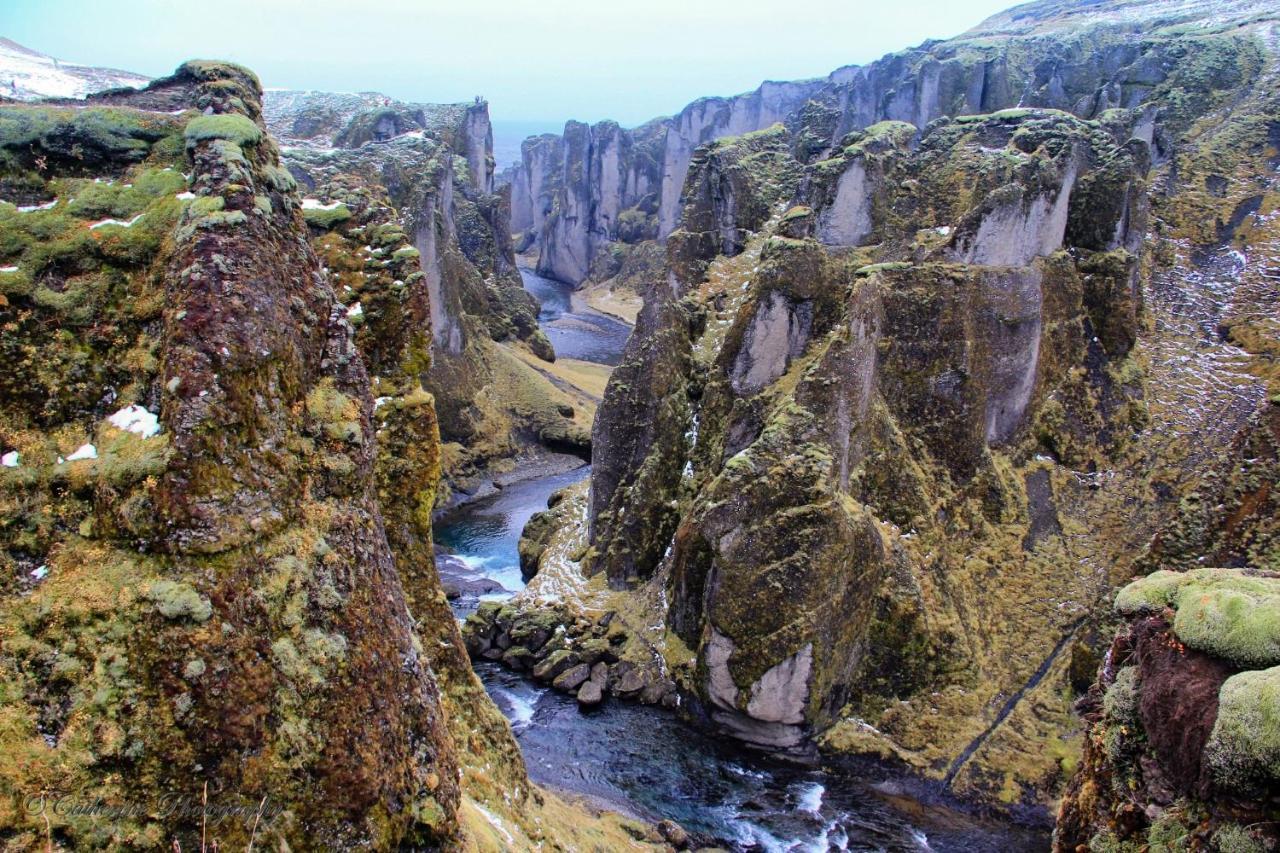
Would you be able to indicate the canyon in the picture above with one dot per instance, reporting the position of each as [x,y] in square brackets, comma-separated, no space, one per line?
[895,452]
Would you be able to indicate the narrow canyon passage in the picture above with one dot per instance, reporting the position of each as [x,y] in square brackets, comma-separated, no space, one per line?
[643,760]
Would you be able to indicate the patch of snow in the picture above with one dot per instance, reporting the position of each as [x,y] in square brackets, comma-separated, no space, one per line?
[85,451]
[29,208]
[8,269]
[381,401]
[944,230]
[121,223]
[356,310]
[29,75]
[316,204]
[10,459]
[495,822]
[136,419]
[40,573]
[187,196]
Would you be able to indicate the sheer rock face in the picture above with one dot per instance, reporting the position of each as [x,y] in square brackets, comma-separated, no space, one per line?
[1081,60]
[428,232]
[222,595]
[936,399]
[1183,737]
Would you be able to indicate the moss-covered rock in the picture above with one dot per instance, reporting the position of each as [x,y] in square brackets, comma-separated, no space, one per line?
[1182,747]
[1230,614]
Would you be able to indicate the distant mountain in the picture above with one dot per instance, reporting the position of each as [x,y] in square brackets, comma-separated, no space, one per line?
[26,75]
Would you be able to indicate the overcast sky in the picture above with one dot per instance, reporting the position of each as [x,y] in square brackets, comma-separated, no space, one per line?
[535,60]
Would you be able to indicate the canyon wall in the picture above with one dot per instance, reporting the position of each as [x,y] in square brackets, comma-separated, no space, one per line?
[220,615]
[402,195]
[587,195]
[980,332]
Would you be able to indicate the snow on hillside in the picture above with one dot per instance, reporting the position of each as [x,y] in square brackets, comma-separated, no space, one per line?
[26,75]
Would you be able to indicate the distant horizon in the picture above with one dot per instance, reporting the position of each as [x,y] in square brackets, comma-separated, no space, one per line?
[565,60]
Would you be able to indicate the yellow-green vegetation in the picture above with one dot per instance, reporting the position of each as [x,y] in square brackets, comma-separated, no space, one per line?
[1244,749]
[238,129]
[1232,614]
[328,217]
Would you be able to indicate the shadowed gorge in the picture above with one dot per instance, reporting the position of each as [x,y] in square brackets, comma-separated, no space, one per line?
[887,460]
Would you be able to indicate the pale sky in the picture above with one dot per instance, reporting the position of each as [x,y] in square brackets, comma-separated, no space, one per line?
[535,61]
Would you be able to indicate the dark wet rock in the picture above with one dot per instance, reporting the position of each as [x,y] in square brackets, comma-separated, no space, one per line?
[556,663]
[518,657]
[591,693]
[628,680]
[572,678]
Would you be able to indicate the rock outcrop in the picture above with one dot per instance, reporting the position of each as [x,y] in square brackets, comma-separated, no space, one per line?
[215,586]
[918,391]
[1183,740]
[401,197]
[220,615]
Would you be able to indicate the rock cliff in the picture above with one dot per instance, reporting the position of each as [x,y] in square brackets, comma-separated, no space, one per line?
[978,333]
[219,612]
[570,191]
[401,197]
[1182,749]
[576,195]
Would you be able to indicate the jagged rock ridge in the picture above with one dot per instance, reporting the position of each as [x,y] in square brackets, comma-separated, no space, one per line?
[977,334]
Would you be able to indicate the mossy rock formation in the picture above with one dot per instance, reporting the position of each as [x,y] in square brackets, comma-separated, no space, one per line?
[928,375]
[1183,737]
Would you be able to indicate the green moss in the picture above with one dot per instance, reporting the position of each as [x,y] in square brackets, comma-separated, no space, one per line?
[83,137]
[1234,838]
[231,127]
[326,218]
[1223,612]
[1169,834]
[280,179]
[205,205]
[1121,700]
[179,601]
[888,266]
[1244,749]
[1106,842]
[337,414]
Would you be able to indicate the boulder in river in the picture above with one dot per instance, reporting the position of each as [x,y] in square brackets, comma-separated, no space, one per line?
[572,678]
[591,693]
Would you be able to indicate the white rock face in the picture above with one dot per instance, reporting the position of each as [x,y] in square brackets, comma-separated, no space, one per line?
[538,160]
[783,691]
[778,333]
[1019,229]
[720,686]
[446,331]
[715,118]
[775,711]
[478,142]
[1016,299]
[847,221]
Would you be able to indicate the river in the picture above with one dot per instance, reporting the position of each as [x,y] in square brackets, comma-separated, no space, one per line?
[574,330]
[643,760]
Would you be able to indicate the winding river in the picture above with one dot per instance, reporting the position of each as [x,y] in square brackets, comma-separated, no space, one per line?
[642,760]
